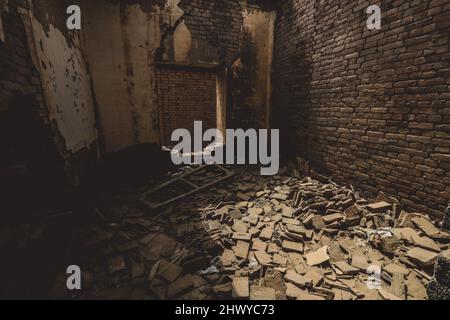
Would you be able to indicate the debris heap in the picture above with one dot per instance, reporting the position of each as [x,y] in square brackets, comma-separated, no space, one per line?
[254,237]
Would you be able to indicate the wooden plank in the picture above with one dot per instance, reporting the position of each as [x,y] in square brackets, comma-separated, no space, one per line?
[153,206]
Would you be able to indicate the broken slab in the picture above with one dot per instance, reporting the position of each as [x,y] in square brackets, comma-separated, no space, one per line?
[228,258]
[240,288]
[242,236]
[379,207]
[239,226]
[395,268]
[279,260]
[292,246]
[241,249]
[317,257]
[293,292]
[259,245]
[313,277]
[422,256]
[345,268]
[426,226]
[295,278]
[262,293]
[359,262]
[263,258]
[336,217]
[266,234]
[386,295]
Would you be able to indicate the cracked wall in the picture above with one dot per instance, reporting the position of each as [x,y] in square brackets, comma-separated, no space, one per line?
[126,39]
[121,40]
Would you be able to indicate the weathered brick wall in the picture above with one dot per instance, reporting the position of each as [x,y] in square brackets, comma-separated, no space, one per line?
[186,95]
[217,22]
[26,138]
[370,107]
[20,89]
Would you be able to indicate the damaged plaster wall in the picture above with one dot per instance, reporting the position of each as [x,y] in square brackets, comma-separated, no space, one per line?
[121,40]
[260,25]
[56,79]
[65,82]
[235,34]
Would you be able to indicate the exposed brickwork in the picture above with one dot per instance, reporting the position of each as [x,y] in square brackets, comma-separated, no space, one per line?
[186,96]
[20,88]
[371,107]
[216,21]
[26,137]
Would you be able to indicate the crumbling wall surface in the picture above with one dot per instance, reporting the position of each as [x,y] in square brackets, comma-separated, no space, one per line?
[371,107]
[259,25]
[238,34]
[24,132]
[126,39]
[215,23]
[122,38]
[42,137]
[58,55]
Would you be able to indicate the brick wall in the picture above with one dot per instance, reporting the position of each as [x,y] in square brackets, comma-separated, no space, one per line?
[216,21]
[369,107]
[26,137]
[186,95]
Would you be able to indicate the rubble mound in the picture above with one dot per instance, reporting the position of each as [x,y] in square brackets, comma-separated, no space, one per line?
[255,237]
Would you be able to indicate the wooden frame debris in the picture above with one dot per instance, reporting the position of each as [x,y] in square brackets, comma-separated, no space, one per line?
[182,178]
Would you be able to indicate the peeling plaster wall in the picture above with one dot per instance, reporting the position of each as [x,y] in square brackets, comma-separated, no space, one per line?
[121,43]
[65,83]
[260,25]
[124,39]
[235,34]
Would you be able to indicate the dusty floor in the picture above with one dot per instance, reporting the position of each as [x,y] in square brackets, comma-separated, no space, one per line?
[282,237]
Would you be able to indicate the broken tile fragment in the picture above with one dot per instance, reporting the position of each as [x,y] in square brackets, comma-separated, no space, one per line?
[241,249]
[422,256]
[317,257]
[266,234]
[262,293]
[241,289]
[292,246]
[379,207]
[263,258]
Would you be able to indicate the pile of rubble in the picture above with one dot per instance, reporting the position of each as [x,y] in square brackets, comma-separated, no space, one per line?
[255,237]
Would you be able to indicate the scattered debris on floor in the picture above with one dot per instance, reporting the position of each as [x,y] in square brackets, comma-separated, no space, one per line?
[255,237]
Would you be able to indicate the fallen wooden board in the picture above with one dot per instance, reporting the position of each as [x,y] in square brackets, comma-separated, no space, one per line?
[152,206]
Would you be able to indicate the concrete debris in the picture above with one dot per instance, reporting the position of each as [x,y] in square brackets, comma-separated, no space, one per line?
[280,237]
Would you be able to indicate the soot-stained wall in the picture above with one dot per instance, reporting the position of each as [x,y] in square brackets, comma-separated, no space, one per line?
[46,101]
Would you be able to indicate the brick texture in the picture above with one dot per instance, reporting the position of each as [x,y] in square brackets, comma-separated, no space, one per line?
[369,107]
[186,96]
[216,21]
